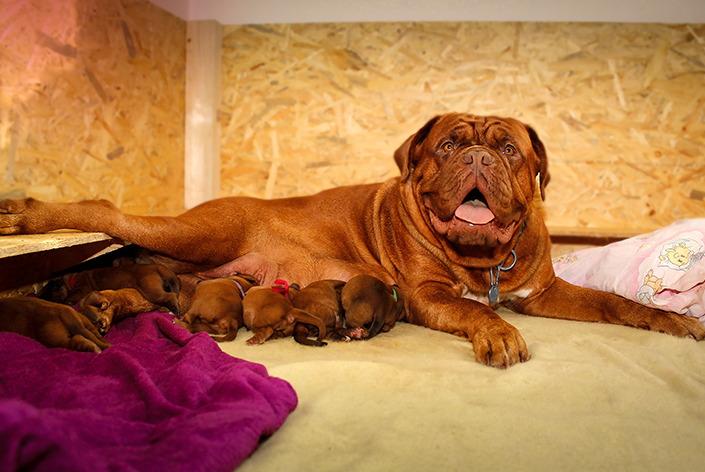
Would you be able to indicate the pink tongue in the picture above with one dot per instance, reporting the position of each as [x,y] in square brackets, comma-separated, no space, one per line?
[474,212]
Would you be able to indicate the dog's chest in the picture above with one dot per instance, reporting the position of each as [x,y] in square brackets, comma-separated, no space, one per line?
[484,297]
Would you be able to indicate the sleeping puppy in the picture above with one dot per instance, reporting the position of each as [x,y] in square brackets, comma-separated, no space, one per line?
[156,282]
[216,307]
[268,312]
[322,300]
[105,307]
[370,306]
[52,324]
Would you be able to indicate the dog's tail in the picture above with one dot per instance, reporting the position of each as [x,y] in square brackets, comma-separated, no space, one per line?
[301,317]
[232,333]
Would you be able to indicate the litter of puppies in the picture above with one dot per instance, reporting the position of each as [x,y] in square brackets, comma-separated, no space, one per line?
[75,310]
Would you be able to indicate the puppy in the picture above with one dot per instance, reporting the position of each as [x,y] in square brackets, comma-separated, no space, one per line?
[105,307]
[370,306]
[157,284]
[216,307]
[270,314]
[188,283]
[322,300]
[52,324]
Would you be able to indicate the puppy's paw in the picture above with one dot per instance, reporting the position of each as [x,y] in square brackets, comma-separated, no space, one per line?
[358,333]
[499,344]
[255,340]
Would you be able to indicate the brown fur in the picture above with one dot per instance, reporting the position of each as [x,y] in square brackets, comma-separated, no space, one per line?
[105,307]
[156,282]
[402,231]
[216,308]
[370,306]
[52,324]
[322,300]
[270,314]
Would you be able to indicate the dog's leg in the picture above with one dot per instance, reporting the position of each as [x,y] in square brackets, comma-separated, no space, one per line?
[185,237]
[496,343]
[261,335]
[566,301]
[81,344]
[81,327]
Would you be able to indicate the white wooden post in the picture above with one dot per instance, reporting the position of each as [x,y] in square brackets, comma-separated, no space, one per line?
[202,136]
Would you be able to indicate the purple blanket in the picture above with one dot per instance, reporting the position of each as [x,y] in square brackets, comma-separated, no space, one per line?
[159,399]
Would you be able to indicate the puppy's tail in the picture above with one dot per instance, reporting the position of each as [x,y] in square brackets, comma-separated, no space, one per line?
[300,316]
[232,333]
[301,336]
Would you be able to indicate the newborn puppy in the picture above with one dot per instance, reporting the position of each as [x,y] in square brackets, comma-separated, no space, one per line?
[216,307]
[105,307]
[322,300]
[188,283]
[157,283]
[370,306]
[52,324]
[269,313]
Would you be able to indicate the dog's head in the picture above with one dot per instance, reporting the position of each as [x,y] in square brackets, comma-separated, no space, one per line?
[98,309]
[474,177]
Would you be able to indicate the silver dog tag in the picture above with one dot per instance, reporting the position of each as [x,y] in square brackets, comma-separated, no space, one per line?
[494,294]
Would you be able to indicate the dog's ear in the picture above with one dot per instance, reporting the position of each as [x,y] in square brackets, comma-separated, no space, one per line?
[540,150]
[401,156]
[404,156]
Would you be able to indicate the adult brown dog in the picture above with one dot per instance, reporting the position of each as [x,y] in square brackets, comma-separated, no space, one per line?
[52,324]
[446,231]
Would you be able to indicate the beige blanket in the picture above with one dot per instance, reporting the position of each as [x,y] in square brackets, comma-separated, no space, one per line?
[593,397]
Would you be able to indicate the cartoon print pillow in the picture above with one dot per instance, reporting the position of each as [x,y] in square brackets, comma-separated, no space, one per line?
[663,269]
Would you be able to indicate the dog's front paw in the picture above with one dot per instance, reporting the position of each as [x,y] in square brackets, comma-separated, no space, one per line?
[499,344]
[675,324]
[16,216]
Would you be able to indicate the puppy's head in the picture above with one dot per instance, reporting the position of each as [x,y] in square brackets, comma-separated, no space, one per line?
[474,177]
[98,309]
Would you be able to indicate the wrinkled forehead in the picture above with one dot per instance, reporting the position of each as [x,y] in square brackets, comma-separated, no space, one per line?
[479,129]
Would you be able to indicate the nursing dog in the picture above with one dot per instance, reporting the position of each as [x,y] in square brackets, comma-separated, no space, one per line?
[457,232]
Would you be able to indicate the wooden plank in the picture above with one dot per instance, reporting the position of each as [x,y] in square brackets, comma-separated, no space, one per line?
[11,246]
[588,232]
[24,270]
[202,138]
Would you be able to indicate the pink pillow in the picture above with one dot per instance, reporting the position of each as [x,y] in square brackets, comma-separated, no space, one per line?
[662,269]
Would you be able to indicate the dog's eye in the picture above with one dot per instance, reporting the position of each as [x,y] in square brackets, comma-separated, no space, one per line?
[510,150]
[447,146]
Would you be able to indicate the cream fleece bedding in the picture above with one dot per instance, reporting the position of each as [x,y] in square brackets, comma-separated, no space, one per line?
[593,397]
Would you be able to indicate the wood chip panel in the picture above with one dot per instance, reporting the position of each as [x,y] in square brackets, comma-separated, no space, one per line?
[92,102]
[620,107]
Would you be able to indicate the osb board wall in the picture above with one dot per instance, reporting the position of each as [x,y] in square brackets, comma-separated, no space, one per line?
[620,107]
[92,102]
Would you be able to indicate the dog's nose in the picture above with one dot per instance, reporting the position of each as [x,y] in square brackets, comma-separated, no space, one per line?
[477,157]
